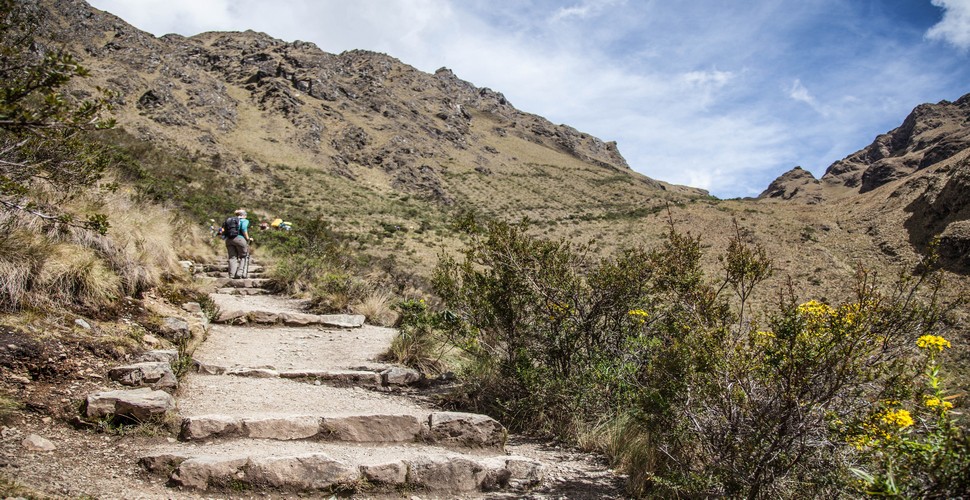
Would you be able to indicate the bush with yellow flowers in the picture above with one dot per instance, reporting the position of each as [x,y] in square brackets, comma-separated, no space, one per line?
[671,374]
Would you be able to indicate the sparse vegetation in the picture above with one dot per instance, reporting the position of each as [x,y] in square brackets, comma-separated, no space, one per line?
[643,357]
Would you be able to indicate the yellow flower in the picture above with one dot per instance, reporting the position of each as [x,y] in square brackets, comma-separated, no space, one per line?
[935,402]
[815,310]
[931,342]
[899,418]
[639,315]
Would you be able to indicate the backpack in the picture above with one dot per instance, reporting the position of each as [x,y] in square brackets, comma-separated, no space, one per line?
[230,228]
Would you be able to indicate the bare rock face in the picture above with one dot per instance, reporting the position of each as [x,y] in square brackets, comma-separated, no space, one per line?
[931,134]
[797,183]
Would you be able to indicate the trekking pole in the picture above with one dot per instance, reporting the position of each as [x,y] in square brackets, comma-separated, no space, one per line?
[245,263]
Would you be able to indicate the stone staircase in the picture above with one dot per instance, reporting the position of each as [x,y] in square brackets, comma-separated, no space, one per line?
[281,401]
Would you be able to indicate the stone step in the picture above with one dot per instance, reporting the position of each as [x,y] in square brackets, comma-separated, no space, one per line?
[293,349]
[321,467]
[264,393]
[244,291]
[223,274]
[241,283]
[272,317]
[447,429]
[224,268]
[393,376]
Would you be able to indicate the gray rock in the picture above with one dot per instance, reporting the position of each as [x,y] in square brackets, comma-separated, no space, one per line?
[175,329]
[159,355]
[444,473]
[263,317]
[209,426]
[337,377]
[400,376]
[342,320]
[157,374]
[519,472]
[161,464]
[34,442]
[232,316]
[389,474]
[282,428]
[192,307]
[467,429]
[253,372]
[313,471]
[141,405]
[83,324]
[201,472]
[207,369]
[373,428]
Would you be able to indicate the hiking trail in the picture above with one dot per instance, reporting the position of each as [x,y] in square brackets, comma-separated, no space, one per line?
[282,402]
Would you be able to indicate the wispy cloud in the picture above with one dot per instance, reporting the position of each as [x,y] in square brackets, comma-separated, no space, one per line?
[954,28]
[585,9]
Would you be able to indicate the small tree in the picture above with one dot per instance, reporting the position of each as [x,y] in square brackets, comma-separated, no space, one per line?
[41,143]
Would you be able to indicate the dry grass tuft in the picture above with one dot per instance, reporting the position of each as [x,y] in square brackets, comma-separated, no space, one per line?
[376,307]
[75,275]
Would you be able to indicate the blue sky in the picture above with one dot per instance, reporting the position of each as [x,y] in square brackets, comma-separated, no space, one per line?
[722,95]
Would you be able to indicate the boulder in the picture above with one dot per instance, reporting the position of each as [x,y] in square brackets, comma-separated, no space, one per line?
[141,405]
[467,429]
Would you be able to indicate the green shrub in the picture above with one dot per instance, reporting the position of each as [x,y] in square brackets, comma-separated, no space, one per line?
[645,357]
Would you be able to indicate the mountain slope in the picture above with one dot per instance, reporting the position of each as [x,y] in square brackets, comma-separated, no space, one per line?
[354,125]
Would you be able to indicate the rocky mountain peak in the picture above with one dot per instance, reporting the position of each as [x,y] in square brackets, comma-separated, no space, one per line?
[930,134]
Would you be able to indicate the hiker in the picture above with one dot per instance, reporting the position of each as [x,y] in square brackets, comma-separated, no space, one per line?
[235,230]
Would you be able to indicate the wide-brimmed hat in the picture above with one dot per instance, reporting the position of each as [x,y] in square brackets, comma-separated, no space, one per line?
[241,212]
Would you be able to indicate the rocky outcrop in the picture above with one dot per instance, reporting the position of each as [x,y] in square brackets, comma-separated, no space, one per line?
[930,134]
[798,184]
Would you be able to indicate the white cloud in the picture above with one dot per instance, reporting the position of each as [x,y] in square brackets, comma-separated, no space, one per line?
[954,28]
[585,9]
